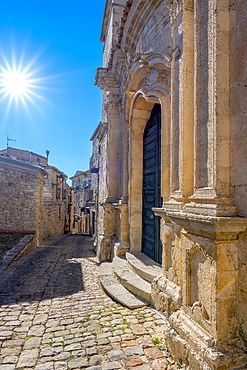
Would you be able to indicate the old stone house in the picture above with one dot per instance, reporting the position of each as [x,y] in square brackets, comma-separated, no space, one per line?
[81,189]
[25,156]
[34,195]
[95,159]
[56,203]
[21,197]
[172,165]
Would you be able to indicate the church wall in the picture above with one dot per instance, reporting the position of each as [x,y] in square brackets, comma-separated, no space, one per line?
[181,58]
[238,103]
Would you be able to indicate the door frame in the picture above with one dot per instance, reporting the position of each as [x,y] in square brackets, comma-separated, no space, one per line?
[152,221]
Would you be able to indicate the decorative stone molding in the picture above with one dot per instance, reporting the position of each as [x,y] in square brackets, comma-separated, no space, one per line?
[154,79]
[217,228]
[166,295]
[123,20]
[106,80]
[176,8]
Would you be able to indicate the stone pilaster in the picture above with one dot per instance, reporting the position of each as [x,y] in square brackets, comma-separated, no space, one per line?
[122,244]
[182,107]
[212,120]
[110,159]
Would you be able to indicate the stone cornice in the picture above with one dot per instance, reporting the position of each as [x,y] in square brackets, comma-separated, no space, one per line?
[106,80]
[102,130]
[123,20]
[219,228]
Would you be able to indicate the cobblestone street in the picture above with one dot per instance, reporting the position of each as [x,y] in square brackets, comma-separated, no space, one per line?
[55,315]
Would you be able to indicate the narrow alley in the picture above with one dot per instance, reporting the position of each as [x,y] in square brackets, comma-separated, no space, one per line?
[55,315]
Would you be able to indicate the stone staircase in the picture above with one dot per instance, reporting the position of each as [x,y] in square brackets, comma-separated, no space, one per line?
[128,279]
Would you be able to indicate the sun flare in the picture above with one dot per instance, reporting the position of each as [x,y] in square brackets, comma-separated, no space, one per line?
[15,83]
[22,83]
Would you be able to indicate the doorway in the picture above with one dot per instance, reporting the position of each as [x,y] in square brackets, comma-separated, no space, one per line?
[151,189]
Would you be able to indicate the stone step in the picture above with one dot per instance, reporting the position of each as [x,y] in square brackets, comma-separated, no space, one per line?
[144,266]
[131,280]
[115,289]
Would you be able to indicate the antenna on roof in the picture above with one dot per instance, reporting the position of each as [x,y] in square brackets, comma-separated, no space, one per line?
[9,139]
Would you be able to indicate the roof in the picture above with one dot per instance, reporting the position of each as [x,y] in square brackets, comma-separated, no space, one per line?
[23,150]
[80,173]
[25,165]
[57,170]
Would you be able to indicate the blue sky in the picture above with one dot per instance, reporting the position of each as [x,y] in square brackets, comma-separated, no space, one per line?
[59,41]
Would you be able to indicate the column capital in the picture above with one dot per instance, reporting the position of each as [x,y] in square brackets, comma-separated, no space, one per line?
[106,80]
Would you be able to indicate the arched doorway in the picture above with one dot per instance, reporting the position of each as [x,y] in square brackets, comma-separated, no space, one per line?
[151,189]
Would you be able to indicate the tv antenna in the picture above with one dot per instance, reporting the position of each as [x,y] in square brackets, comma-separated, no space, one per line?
[9,139]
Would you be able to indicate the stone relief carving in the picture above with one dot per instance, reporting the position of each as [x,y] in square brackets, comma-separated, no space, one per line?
[142,82]
[131,57]
[200,267]
[175,7]
[164,78]
[155,77]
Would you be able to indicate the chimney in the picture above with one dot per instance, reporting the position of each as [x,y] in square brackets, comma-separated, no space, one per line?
[47,155]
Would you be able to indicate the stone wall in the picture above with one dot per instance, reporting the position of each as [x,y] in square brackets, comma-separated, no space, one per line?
[21,197]
[55,203]
[238,112]
[190,58]
[238,103]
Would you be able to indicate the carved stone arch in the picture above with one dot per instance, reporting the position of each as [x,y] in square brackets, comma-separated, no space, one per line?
[148,92]
[139,30]
[148,69]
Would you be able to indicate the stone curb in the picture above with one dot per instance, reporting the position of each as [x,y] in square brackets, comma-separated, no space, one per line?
[18,250]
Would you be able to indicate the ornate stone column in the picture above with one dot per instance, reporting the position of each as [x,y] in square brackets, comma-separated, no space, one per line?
[110,156]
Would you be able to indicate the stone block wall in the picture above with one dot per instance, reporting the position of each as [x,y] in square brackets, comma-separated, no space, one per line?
[55,203]
[21,197]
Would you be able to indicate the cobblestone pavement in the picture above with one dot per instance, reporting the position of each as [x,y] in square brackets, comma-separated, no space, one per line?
[55,315]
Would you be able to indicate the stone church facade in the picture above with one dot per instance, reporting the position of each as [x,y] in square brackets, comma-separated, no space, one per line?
[172,164]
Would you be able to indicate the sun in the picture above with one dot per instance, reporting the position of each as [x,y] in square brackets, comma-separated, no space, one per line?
[15,83]
[22,82]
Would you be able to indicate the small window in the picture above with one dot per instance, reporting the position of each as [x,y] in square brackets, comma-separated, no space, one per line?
[58,193]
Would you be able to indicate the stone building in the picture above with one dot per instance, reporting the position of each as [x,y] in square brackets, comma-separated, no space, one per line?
[81,189]
[172,165]
[21,197]
[25,156]
[40,194]
[56,203]
[95,163]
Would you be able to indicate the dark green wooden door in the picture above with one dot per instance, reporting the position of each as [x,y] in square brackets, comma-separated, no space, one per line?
[151,193]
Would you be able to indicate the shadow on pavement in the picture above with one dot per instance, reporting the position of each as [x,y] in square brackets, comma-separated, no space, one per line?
[52,270]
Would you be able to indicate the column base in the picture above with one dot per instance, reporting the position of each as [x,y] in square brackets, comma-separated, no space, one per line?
[104,250]
[207,203]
